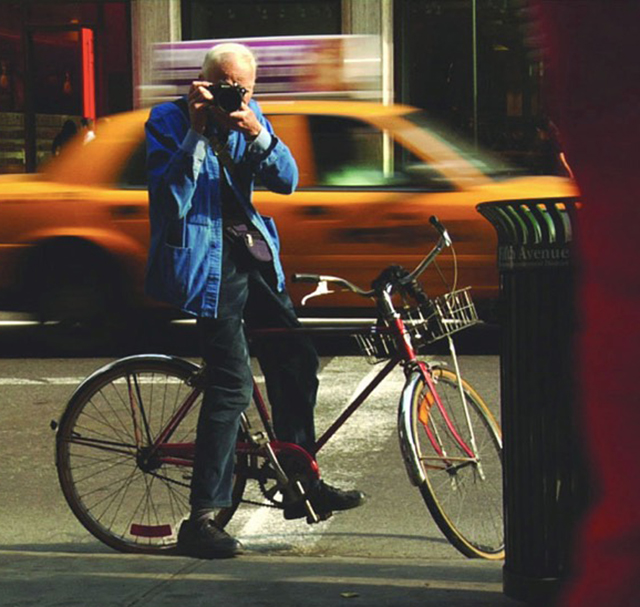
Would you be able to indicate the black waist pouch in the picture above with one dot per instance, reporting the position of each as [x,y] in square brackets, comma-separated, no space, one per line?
[250,239]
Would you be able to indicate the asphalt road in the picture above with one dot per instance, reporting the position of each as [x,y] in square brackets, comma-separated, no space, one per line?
[389,546]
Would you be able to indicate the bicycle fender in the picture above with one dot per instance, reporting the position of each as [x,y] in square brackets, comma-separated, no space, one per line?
[407,445]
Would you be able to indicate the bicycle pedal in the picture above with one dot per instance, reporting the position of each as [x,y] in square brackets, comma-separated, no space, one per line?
[259,439]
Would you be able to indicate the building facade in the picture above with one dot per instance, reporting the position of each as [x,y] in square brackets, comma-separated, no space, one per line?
[466,62]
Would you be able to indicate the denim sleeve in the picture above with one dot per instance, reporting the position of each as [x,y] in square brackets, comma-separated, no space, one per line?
[175,155]
[274,164]
[261,143]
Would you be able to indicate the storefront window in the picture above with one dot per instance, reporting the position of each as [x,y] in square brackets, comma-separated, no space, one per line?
[56,87]
[12,155]
[435,67]
[211,19]
[59,62]
[57,72]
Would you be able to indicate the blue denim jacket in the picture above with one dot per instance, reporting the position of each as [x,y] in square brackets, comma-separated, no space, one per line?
[185,255]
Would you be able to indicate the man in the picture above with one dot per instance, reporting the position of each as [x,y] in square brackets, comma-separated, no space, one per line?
[203,156]
[66,134]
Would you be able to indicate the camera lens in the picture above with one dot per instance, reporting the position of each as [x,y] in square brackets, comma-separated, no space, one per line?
[227,97]
[229,100]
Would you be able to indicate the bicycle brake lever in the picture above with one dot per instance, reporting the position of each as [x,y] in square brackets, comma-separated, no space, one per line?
[321,289]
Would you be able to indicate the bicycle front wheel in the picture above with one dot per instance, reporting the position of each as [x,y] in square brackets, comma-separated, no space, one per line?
[123,492]
[457,451]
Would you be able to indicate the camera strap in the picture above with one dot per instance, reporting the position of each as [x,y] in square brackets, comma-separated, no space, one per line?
[222,153]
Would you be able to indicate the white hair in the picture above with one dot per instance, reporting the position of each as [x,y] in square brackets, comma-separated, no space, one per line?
[222,52]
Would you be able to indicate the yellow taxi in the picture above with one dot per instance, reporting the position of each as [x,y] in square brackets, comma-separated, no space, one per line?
[73,238]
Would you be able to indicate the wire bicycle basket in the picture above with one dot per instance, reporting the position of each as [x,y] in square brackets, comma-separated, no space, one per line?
[441,316]
[376,345]
[438,318]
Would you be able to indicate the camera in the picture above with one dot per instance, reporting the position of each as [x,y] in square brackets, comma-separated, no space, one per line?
[227,97]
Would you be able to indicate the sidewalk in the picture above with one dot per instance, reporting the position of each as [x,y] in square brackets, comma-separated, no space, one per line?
[96,579]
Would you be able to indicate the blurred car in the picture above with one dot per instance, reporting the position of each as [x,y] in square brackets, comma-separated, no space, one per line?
[73,239]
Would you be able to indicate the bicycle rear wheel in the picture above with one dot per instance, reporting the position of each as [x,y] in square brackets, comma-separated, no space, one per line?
[463,490]
[126,497]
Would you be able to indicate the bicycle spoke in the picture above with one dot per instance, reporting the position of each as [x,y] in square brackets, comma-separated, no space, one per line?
[106,466]
[137,407]
[463,489]
[103,445]
[105,427]
[121,489]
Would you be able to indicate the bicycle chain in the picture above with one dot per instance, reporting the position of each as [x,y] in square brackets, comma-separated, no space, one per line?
[295,470]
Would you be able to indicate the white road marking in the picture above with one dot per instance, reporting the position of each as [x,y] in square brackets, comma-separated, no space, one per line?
[73,381]
[365,433]
[54,381]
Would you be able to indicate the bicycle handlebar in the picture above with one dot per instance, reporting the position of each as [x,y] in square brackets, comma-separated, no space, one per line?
[443,241]
[320,278]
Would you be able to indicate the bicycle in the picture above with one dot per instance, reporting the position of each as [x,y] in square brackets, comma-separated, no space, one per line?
[125,442]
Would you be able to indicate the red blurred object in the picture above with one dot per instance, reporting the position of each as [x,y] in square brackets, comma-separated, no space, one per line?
[592,50]
[88,74]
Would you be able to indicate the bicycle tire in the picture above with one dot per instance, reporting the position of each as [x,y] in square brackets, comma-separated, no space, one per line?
[464,497]
[122,501]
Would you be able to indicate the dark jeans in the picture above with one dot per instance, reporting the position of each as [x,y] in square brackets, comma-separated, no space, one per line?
[289,364]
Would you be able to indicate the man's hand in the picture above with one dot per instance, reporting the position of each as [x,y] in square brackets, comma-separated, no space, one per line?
[199,100]
[242,120]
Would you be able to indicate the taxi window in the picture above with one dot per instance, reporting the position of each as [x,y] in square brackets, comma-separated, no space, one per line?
[134,174]
[350,153]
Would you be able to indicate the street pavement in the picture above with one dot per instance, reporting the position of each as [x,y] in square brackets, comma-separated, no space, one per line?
[94,577]
[388,552]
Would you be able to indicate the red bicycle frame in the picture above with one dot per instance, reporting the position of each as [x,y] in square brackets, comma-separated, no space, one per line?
[182,454]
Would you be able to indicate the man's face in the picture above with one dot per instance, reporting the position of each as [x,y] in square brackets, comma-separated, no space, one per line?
[234,71]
